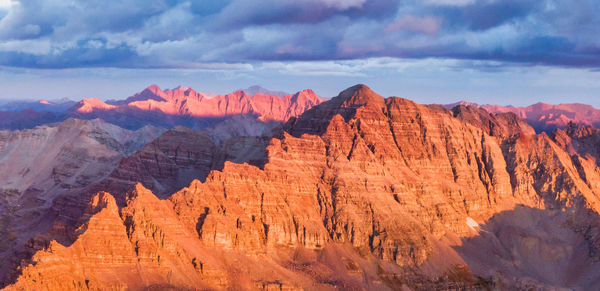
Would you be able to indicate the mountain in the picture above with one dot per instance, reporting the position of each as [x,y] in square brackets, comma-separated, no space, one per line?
[27,119]
[184,101]
[253,90]
[501,124]
[459,103]
[39,106]
[37,165]
[179,156]
[358,192]
[52,159]
[166,164]
[186,107]
[181,106]
[547,117]
[89,105]
[154,93]
[29,114]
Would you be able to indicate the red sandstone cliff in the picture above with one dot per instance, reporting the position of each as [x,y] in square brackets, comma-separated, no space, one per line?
[359,192]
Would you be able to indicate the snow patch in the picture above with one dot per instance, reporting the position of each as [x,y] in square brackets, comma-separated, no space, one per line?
[472,223]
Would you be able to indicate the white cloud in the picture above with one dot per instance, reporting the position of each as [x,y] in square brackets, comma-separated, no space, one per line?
[5,4]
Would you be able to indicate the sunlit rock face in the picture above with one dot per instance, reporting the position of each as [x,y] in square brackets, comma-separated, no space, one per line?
[545,117]
[359,192]
[40,164]
[248,112]
[187,107]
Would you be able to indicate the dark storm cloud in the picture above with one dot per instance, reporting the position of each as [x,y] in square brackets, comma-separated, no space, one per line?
[174,33]
[251,13]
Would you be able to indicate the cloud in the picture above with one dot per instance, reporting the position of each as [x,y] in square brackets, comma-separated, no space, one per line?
[185,34]
[450,2]
[427,25]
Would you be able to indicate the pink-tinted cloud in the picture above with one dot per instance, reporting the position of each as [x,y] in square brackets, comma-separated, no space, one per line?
[426,25]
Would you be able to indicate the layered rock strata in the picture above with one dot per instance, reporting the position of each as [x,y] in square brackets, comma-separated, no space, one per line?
[359,192]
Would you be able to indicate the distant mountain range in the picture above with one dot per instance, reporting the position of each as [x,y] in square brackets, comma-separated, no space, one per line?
[39,105]
[187,107]
[543,116]
[153,106]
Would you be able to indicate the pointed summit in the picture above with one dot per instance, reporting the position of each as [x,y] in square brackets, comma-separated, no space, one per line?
[306,95]
[152,92]
[360,95]
[154,89]
[87,105]
[101,201]
[138,191]
[358,99]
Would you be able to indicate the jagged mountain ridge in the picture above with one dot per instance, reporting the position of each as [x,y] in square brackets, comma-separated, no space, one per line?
[185,106]
[172,107]
[255,89]
[358,192]
[545,117]
[165,165]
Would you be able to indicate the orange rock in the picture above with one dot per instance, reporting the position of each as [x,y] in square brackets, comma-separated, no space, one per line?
[385,192]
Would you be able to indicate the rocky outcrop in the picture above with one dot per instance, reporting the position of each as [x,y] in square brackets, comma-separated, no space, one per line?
[179,156]
[143,245]
[166,164]
[502,125]
[546,117]
[361,192]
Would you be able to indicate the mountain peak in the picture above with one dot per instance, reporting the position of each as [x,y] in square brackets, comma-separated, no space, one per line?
[255,89]
[182,88]
[101,201]
[307,94]
[459,103]
[153,88]
[152,92]
[360,95]
[139,192]
[87,105]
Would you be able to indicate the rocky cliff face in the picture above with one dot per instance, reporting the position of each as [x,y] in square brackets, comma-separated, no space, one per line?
[546,117]
[359,192]
[184,106]
[37,165]
[166,164]
[55,158]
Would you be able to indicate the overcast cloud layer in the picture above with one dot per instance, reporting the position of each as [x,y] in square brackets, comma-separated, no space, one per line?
[218,34]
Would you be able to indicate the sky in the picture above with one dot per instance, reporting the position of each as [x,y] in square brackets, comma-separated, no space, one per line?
[432,51]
